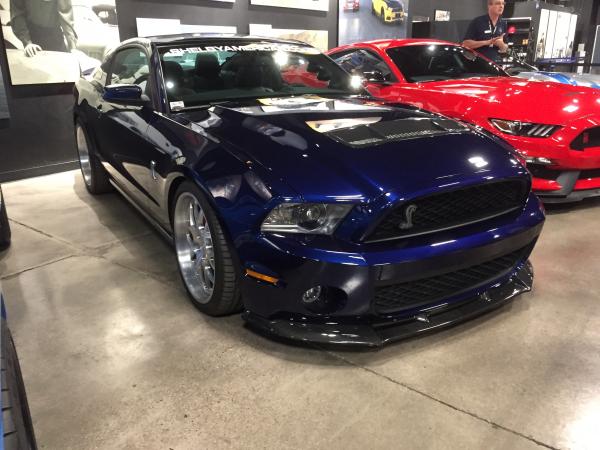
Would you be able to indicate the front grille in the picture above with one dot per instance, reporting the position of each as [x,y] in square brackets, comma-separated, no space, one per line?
[589,173]
[451,209]
[394,298]
[541,171]
[589,138]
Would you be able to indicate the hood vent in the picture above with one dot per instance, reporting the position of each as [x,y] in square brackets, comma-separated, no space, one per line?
[396,130]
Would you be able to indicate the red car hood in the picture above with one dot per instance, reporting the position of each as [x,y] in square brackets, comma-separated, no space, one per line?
[505,98]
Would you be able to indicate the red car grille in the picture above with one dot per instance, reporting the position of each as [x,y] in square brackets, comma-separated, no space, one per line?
[451,209]
[589,138]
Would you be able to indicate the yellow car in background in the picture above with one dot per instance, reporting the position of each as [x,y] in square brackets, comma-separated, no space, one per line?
[389,11]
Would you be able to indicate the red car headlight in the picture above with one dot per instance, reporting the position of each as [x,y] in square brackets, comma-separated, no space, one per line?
[516,128]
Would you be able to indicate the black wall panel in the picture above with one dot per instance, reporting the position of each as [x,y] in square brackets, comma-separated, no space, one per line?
[38,139]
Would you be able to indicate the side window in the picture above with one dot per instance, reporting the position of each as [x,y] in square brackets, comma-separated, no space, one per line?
[130,66]
[99,76]
[360,61]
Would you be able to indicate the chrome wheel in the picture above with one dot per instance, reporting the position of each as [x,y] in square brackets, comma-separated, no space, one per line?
[194,247]
[84,155]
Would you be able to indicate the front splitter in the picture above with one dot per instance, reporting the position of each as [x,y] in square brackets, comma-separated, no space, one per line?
[573,197]
[376,333]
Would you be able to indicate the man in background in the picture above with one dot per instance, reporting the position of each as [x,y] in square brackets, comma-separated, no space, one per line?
[43,25]
[487,33]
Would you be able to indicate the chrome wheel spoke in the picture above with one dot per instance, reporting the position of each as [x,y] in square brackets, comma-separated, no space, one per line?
[209,275]
[194,245]
[192,217]
[198,261]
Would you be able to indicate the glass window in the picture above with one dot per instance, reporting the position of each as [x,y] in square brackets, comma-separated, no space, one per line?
[419,63]
[99,75]
[394,4]
[130,66]
[202,74]
[361,61]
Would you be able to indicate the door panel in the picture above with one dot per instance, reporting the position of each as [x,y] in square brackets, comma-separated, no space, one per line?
[123,130]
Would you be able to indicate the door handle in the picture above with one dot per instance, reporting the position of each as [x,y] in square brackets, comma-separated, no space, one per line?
[153,170]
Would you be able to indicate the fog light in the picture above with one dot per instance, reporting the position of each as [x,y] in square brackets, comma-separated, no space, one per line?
[312,295]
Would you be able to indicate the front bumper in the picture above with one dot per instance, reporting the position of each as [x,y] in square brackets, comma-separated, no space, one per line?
[378,332]
[565,186]
[573,175]
[372,308]
[397,19]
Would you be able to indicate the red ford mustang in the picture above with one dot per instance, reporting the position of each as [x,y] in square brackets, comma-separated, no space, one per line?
[555,126]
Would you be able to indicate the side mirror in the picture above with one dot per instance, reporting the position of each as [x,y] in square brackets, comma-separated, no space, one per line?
[374,76]
[124,94]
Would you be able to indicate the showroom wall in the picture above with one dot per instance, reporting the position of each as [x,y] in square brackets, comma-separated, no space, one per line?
[39,139]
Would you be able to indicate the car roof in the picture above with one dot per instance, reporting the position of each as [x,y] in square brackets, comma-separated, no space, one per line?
[208,37]
[384,44]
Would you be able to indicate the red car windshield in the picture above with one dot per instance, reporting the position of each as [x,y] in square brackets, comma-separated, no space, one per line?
[420,63]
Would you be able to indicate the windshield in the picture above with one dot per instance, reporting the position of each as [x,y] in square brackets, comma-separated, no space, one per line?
[395,4]
[203,74]
[419,63]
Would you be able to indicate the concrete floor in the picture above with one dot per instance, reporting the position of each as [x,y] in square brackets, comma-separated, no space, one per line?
[114,356]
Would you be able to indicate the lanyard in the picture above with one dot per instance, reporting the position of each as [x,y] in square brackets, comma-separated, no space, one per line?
[492,27]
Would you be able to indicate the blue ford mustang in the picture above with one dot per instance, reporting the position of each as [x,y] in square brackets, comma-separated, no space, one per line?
[325,214]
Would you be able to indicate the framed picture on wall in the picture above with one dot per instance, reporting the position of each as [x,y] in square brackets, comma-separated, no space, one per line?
[372,19]
[157,27]
[316,38]
[441,15]
[317,5]
[53,43]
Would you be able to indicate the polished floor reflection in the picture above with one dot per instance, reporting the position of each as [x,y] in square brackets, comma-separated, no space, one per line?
[114,356]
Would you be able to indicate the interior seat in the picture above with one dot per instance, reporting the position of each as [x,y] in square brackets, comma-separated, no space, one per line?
[175,81]
[207,72]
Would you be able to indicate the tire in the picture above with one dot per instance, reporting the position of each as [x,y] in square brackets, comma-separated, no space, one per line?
[204,255]
[373,9]
[17,424]
[94,175]
[382,15]
[5,233]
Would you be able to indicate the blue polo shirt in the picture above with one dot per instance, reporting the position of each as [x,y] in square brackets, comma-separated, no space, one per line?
[481,29]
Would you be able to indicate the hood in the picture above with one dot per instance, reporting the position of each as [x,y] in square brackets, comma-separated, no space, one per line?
[355,149]
[507,98]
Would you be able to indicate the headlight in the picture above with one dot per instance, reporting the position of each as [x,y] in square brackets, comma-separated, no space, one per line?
[309,218]
[517,128]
